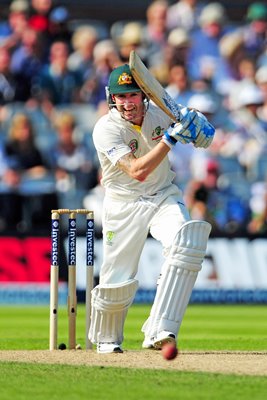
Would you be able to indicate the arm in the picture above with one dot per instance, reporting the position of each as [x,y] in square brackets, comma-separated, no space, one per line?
[140,168]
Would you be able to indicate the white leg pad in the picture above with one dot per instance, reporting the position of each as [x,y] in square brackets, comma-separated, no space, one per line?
[110,303]
[179,274]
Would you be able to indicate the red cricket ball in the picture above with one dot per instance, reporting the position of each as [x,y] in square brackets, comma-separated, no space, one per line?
[169,351]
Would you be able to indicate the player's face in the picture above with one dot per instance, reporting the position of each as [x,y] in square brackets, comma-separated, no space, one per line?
[131,106]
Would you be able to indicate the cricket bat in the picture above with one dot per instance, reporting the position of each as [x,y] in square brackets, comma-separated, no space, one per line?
[153,89]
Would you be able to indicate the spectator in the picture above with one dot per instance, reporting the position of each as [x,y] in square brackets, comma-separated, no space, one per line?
[26,63]
[39,15]
[204,54]
[178,46]
[105,59]
[247,139]
[184,14]
[21,150]
[155,32]
[57,83]
[175,53]
[83,42]
[7,80]
[40,22]
[24,163]
[207,198]
[246,70]
[232,50]
[10,200]
[179,86]
[199,196]
[74,163]
[211,105]
[12,29]
[254,32]
[58,25]
[130,39]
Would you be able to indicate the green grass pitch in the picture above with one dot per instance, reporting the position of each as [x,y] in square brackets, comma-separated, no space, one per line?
[207,328]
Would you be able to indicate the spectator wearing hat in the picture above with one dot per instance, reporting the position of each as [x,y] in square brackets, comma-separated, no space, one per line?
[106,58]
[204,55]
[247,139]
[178,45]
[208,104]
[175,53]
[245,75]
[254,31]
[232,50]
[236,69]
[83,43]
[130,39]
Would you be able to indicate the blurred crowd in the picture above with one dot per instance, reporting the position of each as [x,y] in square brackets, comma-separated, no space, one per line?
[53,74]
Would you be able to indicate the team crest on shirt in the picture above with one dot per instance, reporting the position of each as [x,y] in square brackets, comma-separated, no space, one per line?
[109,237]
[157,133]
[133,145]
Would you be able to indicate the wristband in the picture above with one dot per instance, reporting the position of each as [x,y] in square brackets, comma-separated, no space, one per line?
[165,140]
[170,138]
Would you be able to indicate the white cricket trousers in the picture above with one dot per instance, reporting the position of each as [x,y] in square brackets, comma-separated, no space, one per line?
[126,226]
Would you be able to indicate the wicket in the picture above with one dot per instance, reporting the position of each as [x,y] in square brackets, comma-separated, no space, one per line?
[54,274]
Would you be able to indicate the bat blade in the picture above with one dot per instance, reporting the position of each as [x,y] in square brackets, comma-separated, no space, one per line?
[152,88]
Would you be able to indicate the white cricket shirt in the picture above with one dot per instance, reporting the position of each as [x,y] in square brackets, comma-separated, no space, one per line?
[114,137]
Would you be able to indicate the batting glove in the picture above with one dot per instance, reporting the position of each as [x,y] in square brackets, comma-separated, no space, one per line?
[193,128]
[205,132]
[182,131]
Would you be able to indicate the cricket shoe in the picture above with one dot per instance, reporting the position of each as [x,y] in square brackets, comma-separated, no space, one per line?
[105,348]
[148,343]
[163,338]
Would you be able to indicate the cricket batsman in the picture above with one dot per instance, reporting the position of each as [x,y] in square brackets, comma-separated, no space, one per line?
[133,141]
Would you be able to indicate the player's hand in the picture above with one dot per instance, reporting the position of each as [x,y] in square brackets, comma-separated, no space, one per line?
[204,131]
[193,128]
[180,132]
